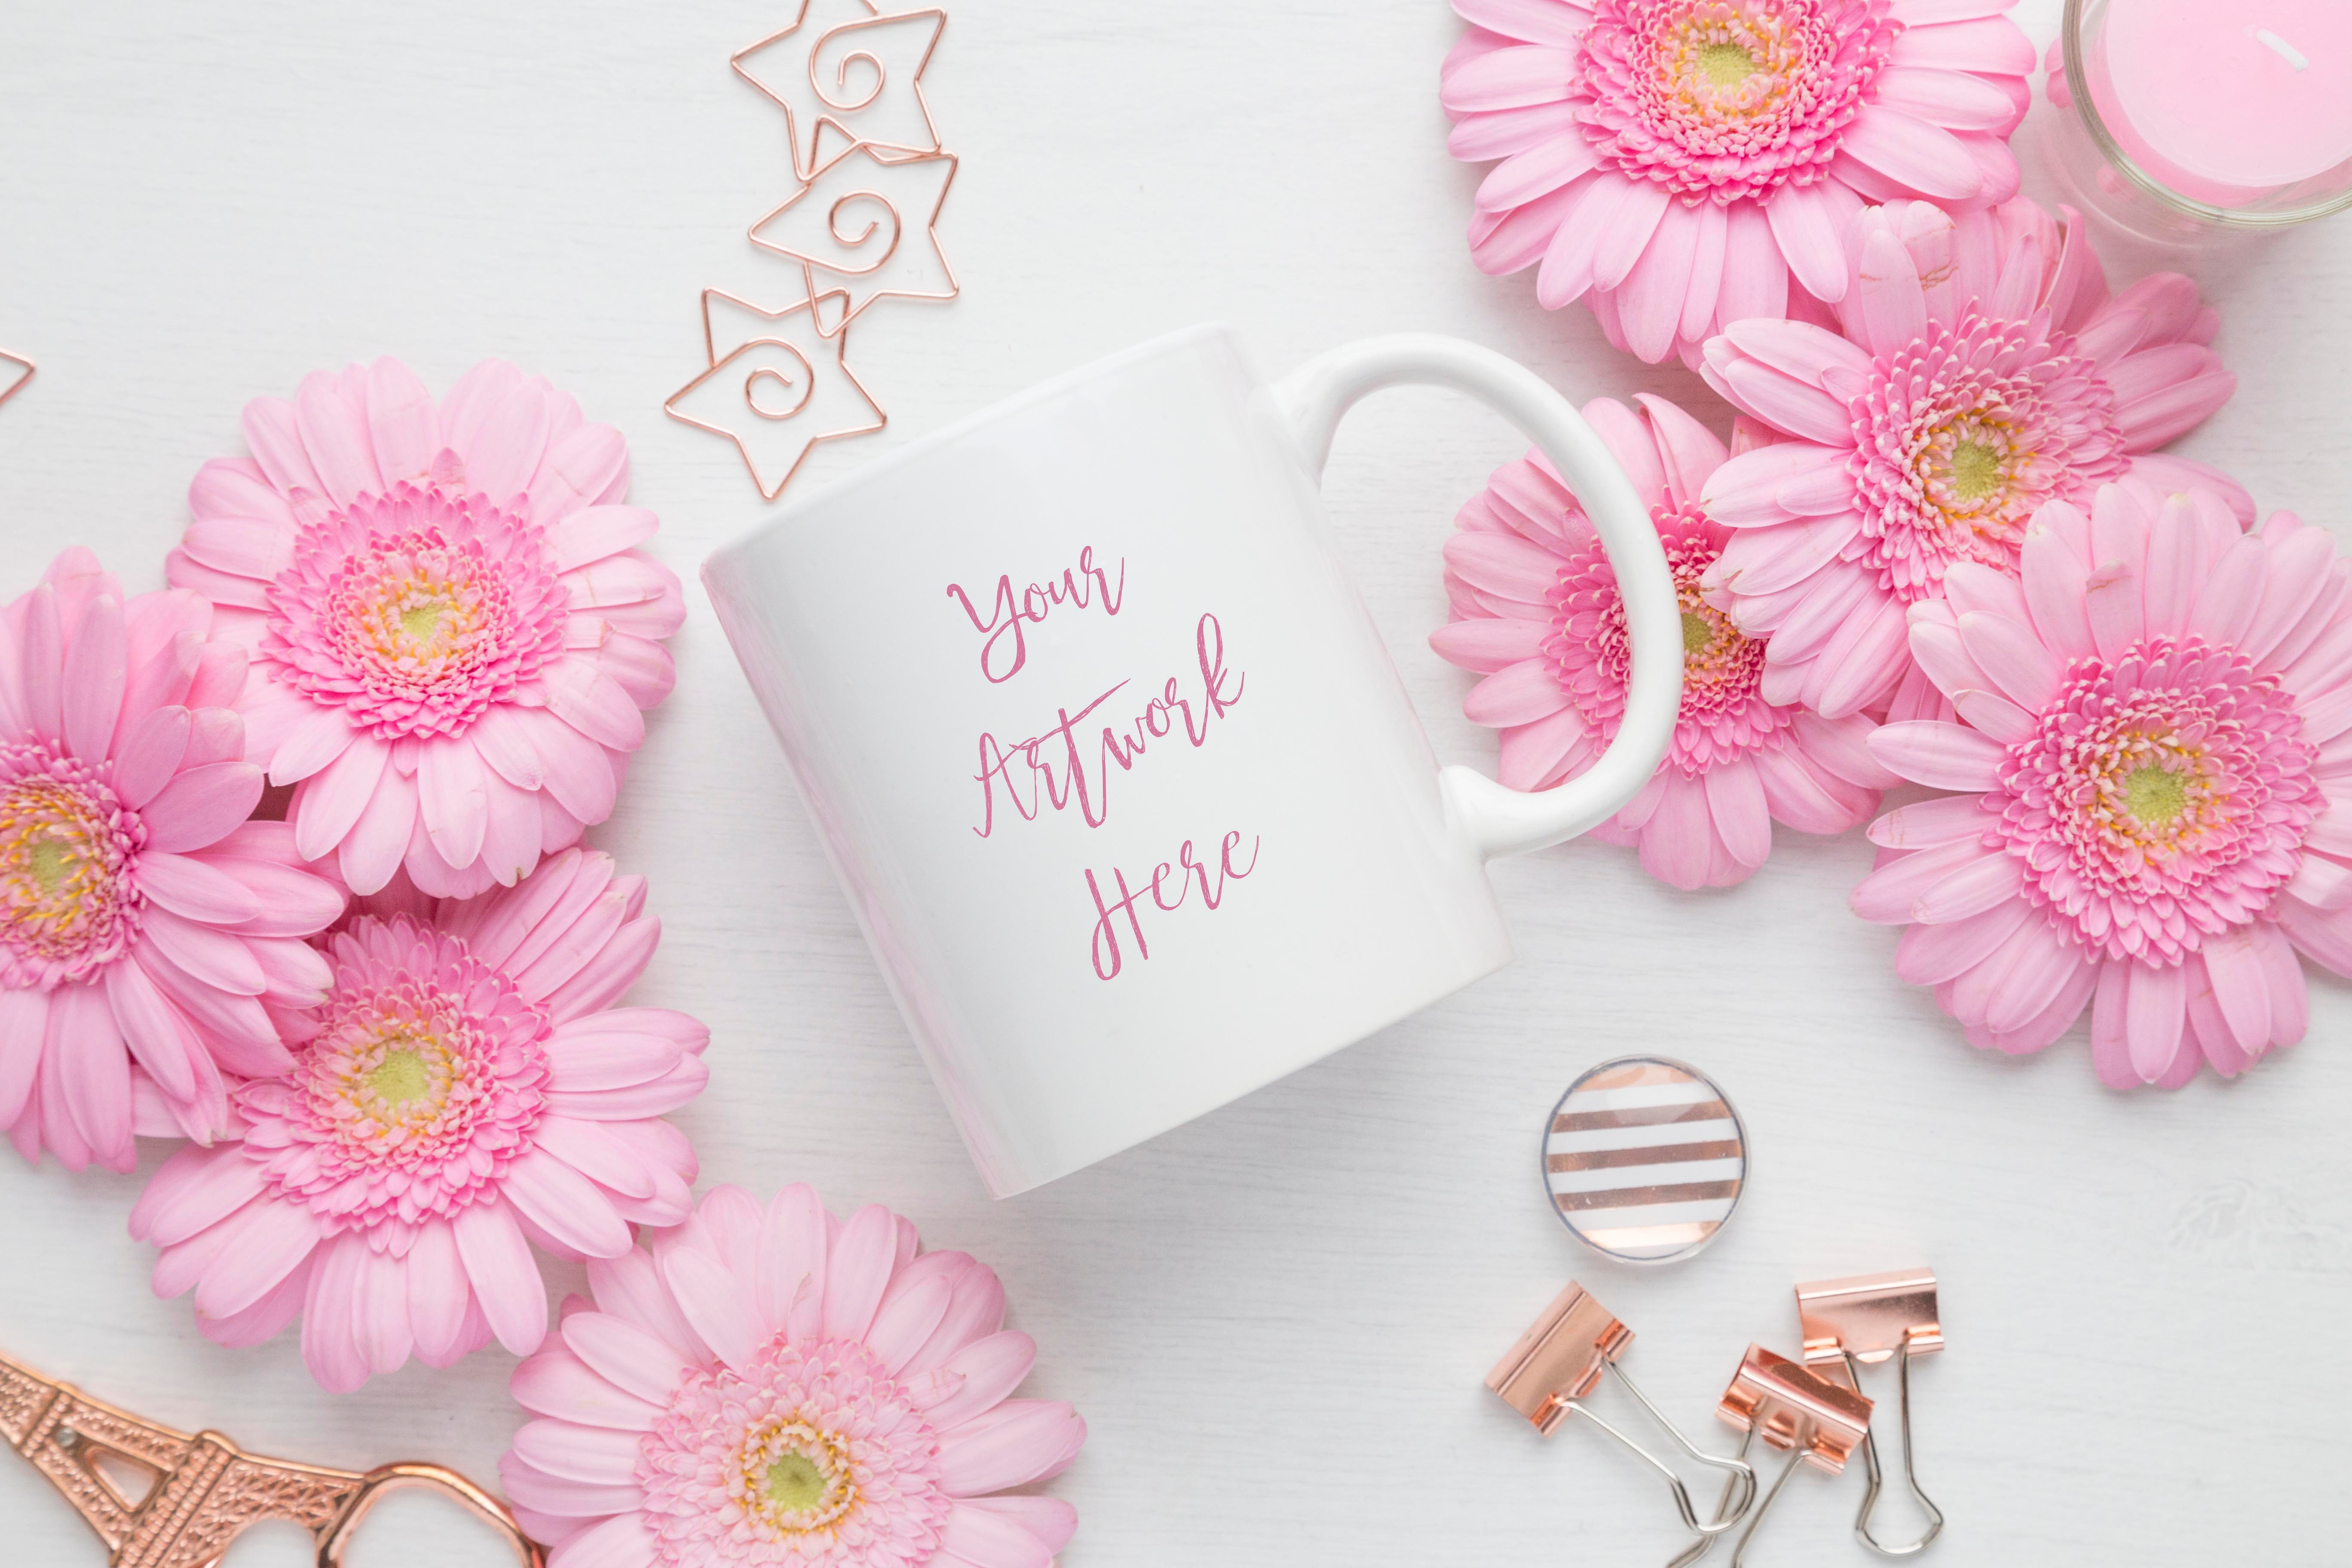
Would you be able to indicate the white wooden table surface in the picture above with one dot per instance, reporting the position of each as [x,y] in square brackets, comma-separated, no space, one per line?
[1274,1321]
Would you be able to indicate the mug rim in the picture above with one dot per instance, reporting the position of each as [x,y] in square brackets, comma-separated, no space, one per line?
[1004,408]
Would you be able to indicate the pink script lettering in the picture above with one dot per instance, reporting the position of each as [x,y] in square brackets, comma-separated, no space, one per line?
[1065,764]
[1083,585]
[1183,874]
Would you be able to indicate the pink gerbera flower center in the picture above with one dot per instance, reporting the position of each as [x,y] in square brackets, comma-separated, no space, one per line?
[425,1082]
[1722,714]
[1727,98]
[415,611]
[2162,798]
[815,1456]
[68,902]
[1961,435]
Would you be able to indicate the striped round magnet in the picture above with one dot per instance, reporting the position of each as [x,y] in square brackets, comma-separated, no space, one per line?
[1644,1159]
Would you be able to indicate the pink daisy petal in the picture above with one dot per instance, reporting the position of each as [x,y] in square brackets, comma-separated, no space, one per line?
[716,1303]
[857,1270]
[811,1448]
[583,467]
[1532,21]
[120,937]
[2145,803]
[907,1317]
[992,1541]
[1943,756]
[415,1119]
[1561,700]
[794,1244]
[410,600]
[1965,418]
[1050,1520]
[632,1359]
[1755,274]
[595,1456]
[439,1295]
[1735,141]
[623,1540]
[1018,1442]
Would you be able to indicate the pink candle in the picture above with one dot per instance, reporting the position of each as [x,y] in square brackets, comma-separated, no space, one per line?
[2227,100]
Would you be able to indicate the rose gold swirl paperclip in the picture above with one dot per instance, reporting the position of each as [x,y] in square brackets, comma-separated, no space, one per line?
[23,381]
[855,253]
[776,378]
[206,1490]
[840,98]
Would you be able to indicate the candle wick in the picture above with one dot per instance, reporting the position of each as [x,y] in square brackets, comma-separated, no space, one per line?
[2281,48]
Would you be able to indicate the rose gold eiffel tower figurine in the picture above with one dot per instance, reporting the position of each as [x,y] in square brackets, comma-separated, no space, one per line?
[206,1490]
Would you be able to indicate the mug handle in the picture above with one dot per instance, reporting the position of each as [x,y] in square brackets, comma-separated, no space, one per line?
[1498,819]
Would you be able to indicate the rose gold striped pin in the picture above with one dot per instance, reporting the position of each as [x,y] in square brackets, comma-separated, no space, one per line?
[1644,1159]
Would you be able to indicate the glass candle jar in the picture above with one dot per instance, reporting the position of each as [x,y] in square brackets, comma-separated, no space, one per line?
[2187,121]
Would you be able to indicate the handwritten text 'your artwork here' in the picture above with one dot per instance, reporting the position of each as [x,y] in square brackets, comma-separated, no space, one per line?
[1070,763]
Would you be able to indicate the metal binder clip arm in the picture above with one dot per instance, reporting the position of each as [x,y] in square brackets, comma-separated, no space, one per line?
[1873,1318]
[1559,1362]
[1818,1421]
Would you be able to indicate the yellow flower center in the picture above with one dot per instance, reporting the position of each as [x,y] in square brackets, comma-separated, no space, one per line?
[1976,470]
[796,1478]
[795,1484]
[1968,468]
[1726,65]
[400,1078]
[2154,796]
[1712,646]
[49,861]
[56,871]
[421,623]
[396,1085]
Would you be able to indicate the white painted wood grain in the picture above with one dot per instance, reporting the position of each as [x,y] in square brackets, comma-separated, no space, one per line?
[1276,1321]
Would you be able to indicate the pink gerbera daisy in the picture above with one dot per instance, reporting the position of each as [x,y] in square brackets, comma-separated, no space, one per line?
[453,634]
[1683,164]
[777,1388]
[1982,370]
[148,931]
[465,1089]
[1537,611]
[2154,740]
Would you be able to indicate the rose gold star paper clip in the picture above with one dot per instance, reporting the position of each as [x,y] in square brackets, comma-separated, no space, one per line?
[21,382]
[1561,1360]
[203,1490]
[1867,1320]
[1811,1415]
[758,394]
[812,226]
[789,68]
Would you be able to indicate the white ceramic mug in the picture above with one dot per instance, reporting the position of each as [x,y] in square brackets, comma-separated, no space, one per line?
[1109,757]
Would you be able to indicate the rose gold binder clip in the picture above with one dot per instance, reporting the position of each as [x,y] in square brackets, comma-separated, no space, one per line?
[1560,1361]
[21,382]
[200,1492]
[1814,1418]
[1866,1320]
